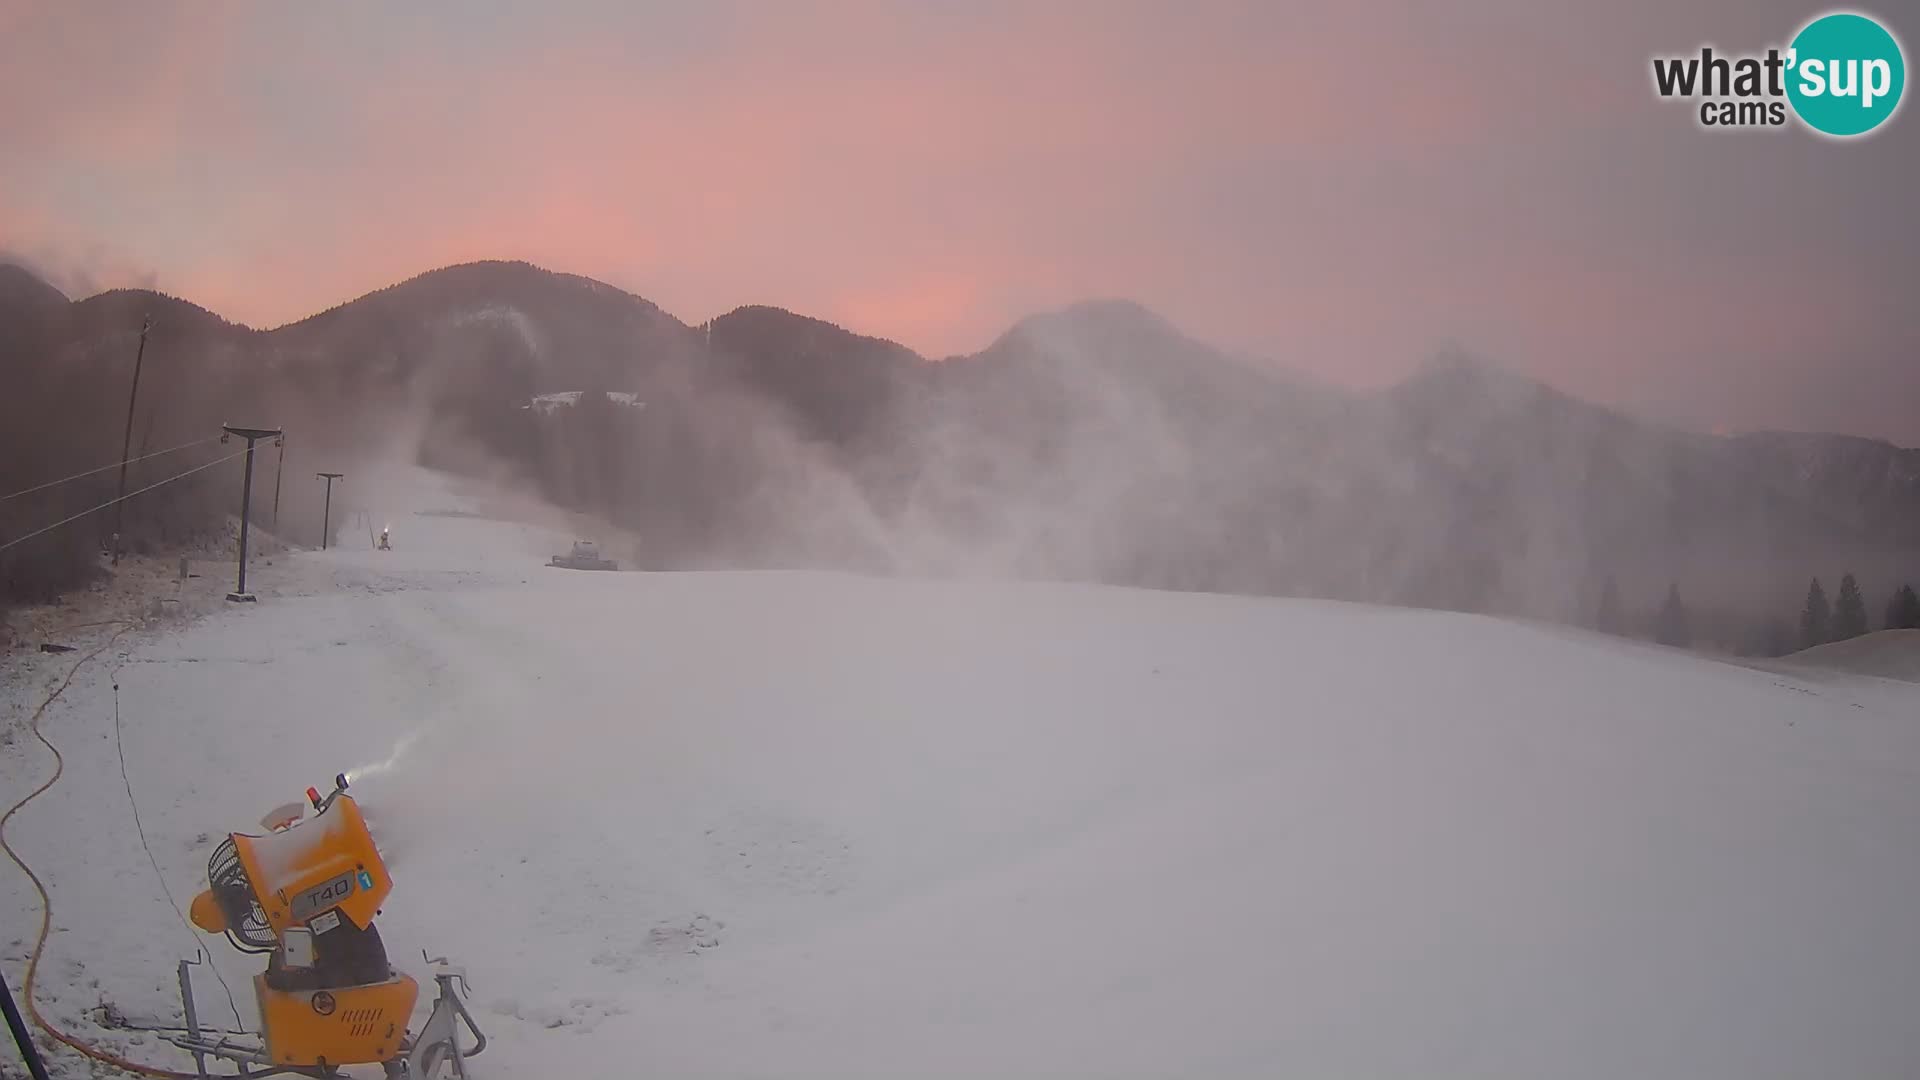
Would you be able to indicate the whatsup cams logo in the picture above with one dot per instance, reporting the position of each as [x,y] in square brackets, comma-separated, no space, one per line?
[1841,75]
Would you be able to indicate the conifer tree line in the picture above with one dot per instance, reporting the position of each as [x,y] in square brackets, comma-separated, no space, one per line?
[1821,620]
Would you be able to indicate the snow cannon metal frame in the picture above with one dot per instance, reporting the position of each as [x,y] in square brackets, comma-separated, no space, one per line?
[305,894]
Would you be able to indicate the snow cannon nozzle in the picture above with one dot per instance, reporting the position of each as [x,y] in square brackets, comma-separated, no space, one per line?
[339,786]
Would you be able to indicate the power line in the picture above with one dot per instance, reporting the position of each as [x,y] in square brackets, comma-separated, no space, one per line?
[110,502]
[120,749]
[104,468]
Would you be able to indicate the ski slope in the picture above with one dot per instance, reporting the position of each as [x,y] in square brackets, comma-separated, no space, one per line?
[812,825]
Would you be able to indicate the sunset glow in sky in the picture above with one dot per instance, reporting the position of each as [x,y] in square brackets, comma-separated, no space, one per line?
[1338,189]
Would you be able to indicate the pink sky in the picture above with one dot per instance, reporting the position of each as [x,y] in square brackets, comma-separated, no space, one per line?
[1339,191]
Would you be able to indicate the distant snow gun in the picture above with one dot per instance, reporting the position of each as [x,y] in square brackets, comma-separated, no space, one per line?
[304,894]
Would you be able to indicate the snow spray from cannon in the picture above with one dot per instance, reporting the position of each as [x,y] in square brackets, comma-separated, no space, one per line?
[387,764]
[411,795]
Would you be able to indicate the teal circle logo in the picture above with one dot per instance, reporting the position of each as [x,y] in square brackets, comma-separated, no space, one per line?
[1845,74]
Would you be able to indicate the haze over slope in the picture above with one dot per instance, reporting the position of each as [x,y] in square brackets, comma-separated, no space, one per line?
[1095,443]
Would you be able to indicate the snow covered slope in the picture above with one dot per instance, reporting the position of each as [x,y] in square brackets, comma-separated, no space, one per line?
[733,824]
[1890,654]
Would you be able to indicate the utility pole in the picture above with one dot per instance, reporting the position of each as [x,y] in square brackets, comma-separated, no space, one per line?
[326,514]
[252,435]
[126,441]
[279,468]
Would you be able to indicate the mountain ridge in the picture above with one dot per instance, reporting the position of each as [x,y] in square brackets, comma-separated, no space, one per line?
[1098,441]
[1103,310]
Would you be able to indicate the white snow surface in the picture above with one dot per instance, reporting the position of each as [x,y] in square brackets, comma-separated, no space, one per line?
[815,825]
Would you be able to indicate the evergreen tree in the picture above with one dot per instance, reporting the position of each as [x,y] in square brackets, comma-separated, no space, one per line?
[1607,619]
[1849,611]
[1903,611]
[1815,618]
[1674,627]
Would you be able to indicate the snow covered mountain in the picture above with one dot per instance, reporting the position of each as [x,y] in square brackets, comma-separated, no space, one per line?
[810,824]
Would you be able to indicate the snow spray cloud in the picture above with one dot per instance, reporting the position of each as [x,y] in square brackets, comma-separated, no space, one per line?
[1098,443]
[400,815]
[81,273]
[387,764]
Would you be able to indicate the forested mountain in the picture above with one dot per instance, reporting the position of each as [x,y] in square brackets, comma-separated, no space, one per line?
[1094,443]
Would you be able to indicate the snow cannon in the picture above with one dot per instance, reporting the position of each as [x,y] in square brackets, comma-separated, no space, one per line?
[305,894]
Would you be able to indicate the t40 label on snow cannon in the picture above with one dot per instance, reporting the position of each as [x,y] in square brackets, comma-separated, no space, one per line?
[315,900]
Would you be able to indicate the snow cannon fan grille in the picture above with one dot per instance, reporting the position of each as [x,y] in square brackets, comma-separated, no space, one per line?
[247,926]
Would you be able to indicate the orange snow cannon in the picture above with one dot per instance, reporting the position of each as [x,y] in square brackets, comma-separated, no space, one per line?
[302,871]
[305,894]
